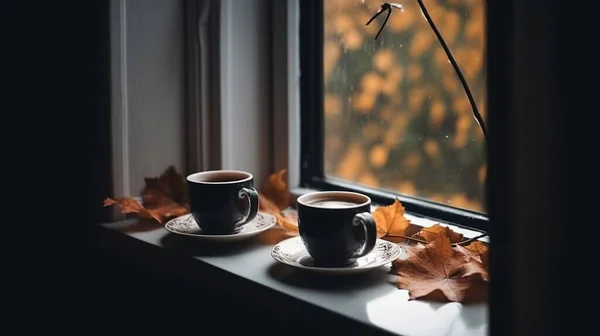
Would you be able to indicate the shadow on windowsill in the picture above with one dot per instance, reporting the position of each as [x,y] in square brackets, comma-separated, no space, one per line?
[339,283]
[193,247]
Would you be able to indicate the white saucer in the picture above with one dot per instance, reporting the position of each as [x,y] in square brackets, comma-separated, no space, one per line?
[293,253]
[186,225]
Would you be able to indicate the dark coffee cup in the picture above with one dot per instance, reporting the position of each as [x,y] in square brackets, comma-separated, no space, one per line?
[336,227]
[222,201]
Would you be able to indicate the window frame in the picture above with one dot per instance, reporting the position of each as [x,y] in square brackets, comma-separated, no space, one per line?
[312,122]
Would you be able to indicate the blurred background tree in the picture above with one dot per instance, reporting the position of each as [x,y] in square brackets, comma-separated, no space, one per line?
[396,116]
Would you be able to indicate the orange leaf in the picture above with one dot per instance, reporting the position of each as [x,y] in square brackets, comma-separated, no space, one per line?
[129,205]
[429,233]
[167,188]
[276,190]
[289,220]
[266,205]
[163,198]
[390,220]
[274,198]
[439,272]
[479,248]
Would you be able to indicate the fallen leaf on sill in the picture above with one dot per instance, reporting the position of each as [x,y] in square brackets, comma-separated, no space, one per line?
[390,220]
[275,198]
[479,248]
[163,198]
[439,272]
[277,191]
[170,187]
[129,205]
[429,233]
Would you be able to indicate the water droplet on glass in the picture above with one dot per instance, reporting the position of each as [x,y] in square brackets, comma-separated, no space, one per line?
[446,136]
[401,46]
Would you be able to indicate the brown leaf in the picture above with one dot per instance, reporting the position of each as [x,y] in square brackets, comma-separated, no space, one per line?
[479,248]
[390,220]
[289,220]
[439,272]
[167,188]
[266,205]
[274,198]
[277,191]
[163,198]
[429,233]
[129,205]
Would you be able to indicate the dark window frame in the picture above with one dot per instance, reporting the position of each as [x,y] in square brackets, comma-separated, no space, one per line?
[312,174]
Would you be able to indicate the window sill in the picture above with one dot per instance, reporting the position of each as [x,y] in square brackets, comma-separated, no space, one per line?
[370,303]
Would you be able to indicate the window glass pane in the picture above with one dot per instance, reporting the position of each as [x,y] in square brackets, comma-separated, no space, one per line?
[396,114]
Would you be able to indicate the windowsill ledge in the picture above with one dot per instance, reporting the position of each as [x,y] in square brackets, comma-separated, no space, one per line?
[370,302]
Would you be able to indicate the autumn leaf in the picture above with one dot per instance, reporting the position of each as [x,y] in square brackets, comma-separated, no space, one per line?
[277,191]
[163,198]
[439,272]
[479,248]
[129,205]
[289,220]
[275,199]
[169,187]
[429,233]
[390,220]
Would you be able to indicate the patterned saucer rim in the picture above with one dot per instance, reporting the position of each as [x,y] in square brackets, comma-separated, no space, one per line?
[269,221]
[391,252]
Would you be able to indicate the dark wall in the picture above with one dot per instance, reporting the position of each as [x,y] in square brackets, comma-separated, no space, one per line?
[100,109]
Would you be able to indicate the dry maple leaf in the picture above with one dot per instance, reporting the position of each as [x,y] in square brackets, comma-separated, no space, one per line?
[439,272]
[429,233]
[129,205]
[169,187]
[163,198]
[289,220]
[277,191]
[479,248]
[274,198]
[390,220]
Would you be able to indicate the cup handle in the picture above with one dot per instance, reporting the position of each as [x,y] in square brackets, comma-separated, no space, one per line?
[252,196]
[366,221]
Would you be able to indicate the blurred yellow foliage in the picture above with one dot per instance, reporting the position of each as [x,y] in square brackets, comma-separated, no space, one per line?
[332,105]
[384,60]
[379,156]
[352,162]
[364,102]
[432,148]
[437,112]
[369,179]
[371,82]
[421,42]
[396,113]
[352,39]
[412,161]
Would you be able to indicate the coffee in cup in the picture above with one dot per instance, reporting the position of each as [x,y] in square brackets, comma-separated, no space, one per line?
[336,227]
[222,201]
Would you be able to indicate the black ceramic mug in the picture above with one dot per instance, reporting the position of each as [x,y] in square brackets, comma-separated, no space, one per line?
[222,201]
[336,227]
